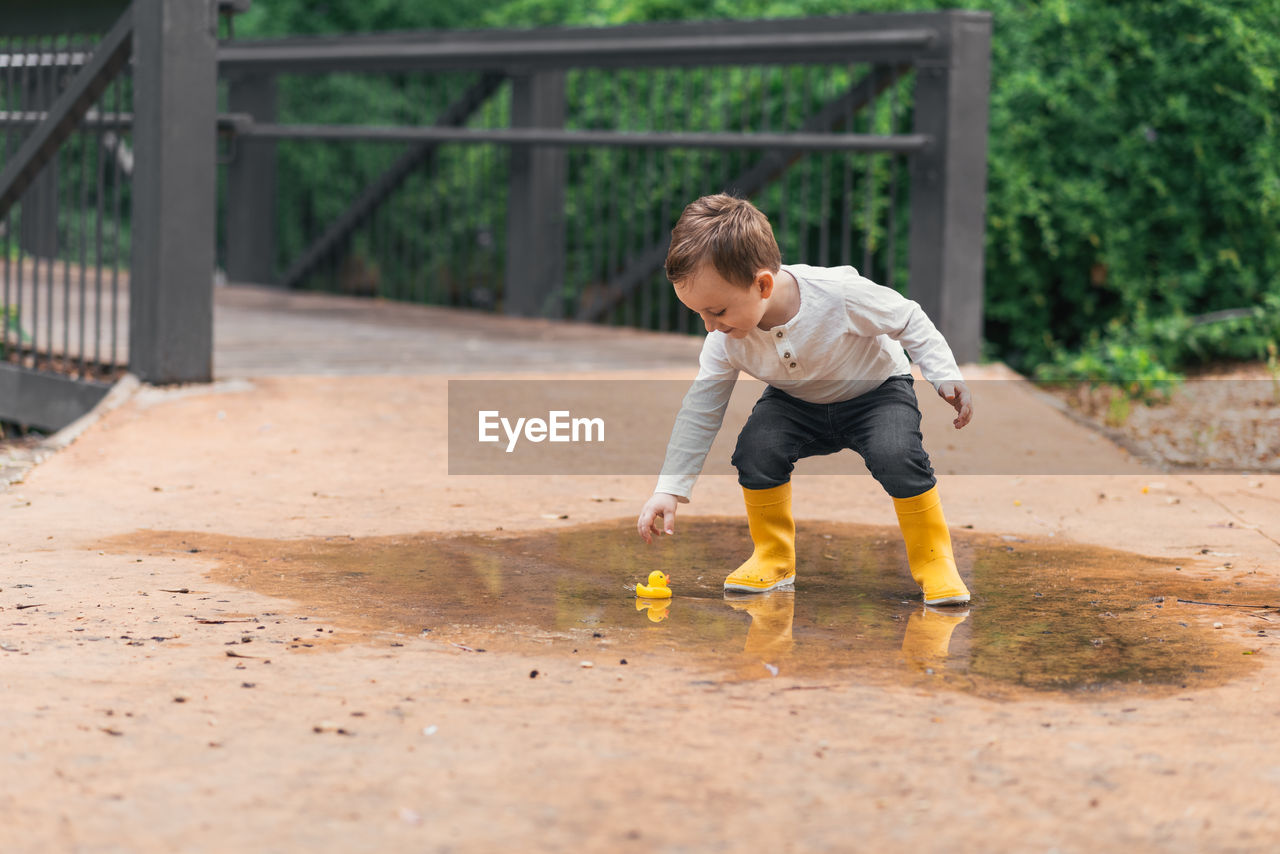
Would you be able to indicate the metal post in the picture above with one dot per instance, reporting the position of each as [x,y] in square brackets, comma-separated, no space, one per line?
[39,233]
[175,107]
[535,205]
[251,185]
[948,182]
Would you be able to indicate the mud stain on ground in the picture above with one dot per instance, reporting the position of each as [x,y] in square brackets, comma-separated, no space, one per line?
[1045,617]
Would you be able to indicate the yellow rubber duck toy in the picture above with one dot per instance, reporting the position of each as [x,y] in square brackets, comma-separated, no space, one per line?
[656,588]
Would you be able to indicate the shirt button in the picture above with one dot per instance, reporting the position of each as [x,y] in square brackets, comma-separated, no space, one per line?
[779,334]
[793,364]
[786,355]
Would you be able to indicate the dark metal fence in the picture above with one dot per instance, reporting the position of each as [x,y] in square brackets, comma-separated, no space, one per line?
[66,170]
[539,172]
[107,127]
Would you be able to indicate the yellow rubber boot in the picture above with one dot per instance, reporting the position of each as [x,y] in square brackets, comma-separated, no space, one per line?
[773,564]
[933,566]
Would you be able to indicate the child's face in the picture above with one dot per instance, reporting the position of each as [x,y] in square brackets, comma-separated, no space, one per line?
[724,306]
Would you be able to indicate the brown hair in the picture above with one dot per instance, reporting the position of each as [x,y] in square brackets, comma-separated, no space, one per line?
[730,232]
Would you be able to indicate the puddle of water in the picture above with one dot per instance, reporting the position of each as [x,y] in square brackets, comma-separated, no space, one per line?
[1045,616]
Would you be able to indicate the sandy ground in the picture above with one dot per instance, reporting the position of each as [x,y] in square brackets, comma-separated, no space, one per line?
[130,726]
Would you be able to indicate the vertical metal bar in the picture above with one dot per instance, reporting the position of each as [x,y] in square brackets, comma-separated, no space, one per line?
[868,213]
[806,165]
[466,210]
[115,230]
[824,213]
[18,97]
[68,176]
[744,116]
[486,240]
[599,264]
[395,240]
[891,239]
[384,256]
[413,229]
[426,272]
[581,228]
[457,291]
[784,124]
[251,212]
[33,215]
[467,179]
[10,104]
[664,178]
[84,137]
[30,208]
[100,214]
[614,240]
[435,224]
[392,286]
[846,187]
[373,267]
[535,209]
[55,205]
[629,177]
[442,278]
[724,120]
[653,222]
[6,44]
[38,204]
[174,191]
[471,219]
[948,181]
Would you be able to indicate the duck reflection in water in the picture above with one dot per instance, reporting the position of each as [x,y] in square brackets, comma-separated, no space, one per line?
[656,610]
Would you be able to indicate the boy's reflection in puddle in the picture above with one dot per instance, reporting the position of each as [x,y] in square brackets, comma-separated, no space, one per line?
[925,644]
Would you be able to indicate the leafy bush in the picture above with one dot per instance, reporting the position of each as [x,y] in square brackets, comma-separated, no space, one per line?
[1135,167]
[1144,358]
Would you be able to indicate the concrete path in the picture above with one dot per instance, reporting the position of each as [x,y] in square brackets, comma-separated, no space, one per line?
[138,718]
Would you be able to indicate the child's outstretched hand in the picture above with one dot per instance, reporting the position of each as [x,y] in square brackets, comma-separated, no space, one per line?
[957,394]
[660,506]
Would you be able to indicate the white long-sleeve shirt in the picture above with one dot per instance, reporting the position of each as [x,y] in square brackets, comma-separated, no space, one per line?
[847,338]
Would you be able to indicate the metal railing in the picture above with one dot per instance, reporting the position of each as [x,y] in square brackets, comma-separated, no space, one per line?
[539,172]
[107,125]
[533,172]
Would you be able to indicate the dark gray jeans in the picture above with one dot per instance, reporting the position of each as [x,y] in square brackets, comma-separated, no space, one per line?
[883,426]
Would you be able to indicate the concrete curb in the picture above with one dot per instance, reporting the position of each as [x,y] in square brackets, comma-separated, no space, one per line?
[20,463]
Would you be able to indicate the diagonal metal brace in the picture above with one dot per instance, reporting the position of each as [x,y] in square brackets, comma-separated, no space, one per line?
[385,184]
[109,57]
[831,117]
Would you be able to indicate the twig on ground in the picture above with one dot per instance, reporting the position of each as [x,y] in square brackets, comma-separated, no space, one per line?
[1231,605]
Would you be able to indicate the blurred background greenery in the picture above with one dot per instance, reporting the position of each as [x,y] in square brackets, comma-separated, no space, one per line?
[1134,170]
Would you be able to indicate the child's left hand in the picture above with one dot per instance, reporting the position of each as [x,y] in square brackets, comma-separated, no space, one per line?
[957,394]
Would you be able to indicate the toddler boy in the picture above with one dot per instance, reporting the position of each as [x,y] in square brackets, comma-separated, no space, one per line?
[830,345]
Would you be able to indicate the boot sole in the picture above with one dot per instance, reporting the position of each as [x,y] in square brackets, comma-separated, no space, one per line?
[950,600]
[777,585]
